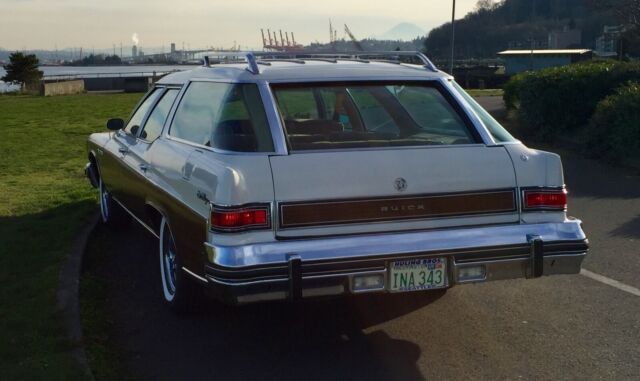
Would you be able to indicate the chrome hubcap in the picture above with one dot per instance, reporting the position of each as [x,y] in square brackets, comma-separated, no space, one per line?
[104,203]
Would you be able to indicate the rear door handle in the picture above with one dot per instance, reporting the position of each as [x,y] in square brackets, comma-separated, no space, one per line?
[143,167]
[123,150]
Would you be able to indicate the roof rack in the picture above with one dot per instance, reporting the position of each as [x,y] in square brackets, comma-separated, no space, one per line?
[253,59]
[383,56]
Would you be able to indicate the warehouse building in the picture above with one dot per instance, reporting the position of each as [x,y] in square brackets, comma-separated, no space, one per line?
[517,61]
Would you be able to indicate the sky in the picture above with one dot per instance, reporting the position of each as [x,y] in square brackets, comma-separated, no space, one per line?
[47,24]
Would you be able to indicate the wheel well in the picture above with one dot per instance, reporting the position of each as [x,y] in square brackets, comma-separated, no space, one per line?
[93,173]
[94,163]
[154,217]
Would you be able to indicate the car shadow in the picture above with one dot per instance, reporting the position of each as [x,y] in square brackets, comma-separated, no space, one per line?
[312,339]
[630,229]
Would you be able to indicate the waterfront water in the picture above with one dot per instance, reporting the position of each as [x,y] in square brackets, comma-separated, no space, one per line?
[95,70]
[92,70]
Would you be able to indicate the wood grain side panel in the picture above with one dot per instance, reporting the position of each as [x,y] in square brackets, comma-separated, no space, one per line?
[391,209]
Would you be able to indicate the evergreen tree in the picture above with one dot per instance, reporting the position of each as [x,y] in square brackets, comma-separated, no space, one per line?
[22,68]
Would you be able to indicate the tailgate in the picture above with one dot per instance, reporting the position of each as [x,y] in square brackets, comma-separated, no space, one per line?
[366,191]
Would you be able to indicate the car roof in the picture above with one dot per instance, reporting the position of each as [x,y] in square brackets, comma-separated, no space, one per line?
[301,70]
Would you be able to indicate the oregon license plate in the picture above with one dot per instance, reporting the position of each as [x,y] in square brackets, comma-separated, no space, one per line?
[418,274]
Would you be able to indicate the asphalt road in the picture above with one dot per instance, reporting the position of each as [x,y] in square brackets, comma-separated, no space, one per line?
[562,327]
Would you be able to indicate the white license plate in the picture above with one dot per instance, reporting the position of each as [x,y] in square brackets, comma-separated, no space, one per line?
[418,274]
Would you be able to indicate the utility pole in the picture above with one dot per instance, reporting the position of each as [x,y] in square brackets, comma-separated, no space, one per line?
[533,16]
[453,36]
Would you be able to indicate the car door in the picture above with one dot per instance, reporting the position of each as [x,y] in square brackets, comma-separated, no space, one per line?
[138,159]
[125,175]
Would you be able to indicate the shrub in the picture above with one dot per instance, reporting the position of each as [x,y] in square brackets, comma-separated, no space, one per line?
[511,89]
[560,100]
[614,130]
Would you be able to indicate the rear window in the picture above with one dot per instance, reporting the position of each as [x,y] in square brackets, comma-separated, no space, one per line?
[225,116]
[352,115]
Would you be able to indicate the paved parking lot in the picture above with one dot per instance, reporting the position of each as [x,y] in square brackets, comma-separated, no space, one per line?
[563,327]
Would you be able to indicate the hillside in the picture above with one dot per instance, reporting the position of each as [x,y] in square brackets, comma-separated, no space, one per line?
[511,24]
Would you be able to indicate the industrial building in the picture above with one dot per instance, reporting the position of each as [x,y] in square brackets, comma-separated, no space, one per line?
[517,61]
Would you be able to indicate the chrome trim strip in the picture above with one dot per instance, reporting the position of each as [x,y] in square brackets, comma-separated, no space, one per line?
[514,214]
[359,149]
[194,275]
[273,118]
[217,150]
[136,218]
[349,274]
[247,283]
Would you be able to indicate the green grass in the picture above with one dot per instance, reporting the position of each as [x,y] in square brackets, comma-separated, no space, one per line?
[44,201]
[485,92]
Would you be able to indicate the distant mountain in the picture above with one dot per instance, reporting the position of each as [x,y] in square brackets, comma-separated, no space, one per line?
[404,31]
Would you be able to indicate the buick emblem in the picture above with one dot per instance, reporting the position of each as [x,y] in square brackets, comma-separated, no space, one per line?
[400,184]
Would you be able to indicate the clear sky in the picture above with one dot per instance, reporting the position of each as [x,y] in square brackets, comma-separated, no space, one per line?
[45,24]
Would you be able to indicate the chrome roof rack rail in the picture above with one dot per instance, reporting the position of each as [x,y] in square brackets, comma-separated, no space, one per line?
[383,56]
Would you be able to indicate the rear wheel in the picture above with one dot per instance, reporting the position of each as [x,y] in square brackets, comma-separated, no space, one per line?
[111,213]
[178,291]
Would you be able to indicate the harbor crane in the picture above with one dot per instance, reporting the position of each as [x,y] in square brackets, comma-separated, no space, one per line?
[353,38]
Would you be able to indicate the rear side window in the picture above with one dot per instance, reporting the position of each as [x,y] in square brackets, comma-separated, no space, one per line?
[374,114]
[225,116]
[499,133]
[153,127]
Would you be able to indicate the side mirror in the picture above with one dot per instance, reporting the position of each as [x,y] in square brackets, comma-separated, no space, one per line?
[115,124]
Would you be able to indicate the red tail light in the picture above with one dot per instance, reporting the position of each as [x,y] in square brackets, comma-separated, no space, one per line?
[239,219]
[545,199]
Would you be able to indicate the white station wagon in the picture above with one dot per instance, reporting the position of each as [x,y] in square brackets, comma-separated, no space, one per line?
[285,177]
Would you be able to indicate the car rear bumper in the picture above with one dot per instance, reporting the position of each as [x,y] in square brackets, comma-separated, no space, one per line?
[327,266]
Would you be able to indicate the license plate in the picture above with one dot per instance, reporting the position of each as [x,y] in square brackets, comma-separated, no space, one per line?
[418,274]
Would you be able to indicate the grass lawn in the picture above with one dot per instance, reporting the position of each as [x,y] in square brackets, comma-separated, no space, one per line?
[44,200]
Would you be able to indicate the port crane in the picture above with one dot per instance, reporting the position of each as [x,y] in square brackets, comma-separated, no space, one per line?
[353,38]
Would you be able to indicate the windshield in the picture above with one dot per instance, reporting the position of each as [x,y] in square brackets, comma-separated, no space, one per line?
[335,116]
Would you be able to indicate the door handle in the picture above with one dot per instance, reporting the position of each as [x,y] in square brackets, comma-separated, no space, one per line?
[123,150]
[143,167]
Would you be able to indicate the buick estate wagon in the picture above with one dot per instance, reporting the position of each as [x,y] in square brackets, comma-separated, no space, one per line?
[304,176]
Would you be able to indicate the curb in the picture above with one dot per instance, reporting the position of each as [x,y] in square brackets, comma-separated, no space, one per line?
[68,294]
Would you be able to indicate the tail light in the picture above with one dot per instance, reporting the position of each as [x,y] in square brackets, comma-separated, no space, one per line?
[239,219]
[545,199]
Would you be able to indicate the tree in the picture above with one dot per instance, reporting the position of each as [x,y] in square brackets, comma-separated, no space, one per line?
[22,68]
[486,5]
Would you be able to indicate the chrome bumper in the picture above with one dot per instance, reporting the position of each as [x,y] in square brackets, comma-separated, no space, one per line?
[326,266]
